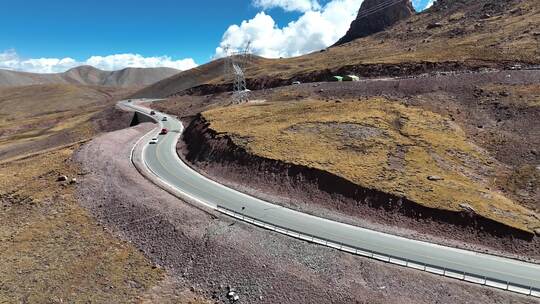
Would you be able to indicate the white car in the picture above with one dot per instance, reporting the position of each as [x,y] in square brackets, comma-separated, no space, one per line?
[153,141]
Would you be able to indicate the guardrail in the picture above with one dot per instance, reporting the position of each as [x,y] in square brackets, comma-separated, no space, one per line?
[460,275]
[464,276]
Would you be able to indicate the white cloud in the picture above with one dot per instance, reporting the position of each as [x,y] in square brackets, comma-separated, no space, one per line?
[12,61]
[289,5]
[315,29]
[120,61]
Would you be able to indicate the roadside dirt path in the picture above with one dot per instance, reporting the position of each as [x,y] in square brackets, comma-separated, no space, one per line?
[207,253]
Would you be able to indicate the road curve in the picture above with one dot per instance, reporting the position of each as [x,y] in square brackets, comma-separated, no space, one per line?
[171,172]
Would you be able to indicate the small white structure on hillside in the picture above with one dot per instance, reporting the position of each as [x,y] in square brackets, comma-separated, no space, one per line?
[351,78]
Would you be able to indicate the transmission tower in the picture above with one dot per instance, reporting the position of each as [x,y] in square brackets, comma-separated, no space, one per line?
[238,64]
[240,94]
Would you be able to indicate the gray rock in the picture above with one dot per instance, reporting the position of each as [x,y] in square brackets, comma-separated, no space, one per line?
[434,25]
[467,208]
[373,17]
[435,178]
[233,296]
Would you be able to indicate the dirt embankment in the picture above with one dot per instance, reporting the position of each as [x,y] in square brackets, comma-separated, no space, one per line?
[206,253]
[407,69]
[497,111]
[222,159]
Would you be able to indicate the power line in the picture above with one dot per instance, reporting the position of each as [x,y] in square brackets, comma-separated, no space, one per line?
[379,7]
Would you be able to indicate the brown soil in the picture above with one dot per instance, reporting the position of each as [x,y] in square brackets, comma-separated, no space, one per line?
[62,114]
[208,252]
[498,118]
[449,94]
[403,70]
[52,250]
[302,188]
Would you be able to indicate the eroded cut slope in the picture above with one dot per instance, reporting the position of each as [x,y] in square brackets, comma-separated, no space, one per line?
[403,151]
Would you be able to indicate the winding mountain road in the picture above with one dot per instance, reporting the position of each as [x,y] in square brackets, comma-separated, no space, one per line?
[166,169]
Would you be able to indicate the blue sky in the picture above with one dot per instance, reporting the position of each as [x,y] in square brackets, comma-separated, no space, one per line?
[78,30]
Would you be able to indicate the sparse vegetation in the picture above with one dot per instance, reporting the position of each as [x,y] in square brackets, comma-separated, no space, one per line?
[518,96]
[377,144]
[52,251]
[39,117]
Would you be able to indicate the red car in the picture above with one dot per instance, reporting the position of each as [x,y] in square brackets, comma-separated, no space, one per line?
[164,131]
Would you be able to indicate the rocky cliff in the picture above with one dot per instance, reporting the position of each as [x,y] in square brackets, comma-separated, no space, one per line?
[375,16]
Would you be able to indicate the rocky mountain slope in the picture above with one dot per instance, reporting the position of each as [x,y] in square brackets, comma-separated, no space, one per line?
[451,35]
[375,16]
[87,75]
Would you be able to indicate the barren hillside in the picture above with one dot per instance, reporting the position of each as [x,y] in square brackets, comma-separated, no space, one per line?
[451,157]
[38,117]
[87,75]
[451,35]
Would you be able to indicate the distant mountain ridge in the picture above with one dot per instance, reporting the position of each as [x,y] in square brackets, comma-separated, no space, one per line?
[88,75]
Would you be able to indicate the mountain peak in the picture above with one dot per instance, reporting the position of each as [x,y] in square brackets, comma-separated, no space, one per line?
[83,68]
[375,16]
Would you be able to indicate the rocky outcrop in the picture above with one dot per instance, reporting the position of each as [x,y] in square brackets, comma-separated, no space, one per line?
[375,16]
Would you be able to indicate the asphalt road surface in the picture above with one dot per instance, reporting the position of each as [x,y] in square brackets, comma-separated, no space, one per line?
[161,159]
